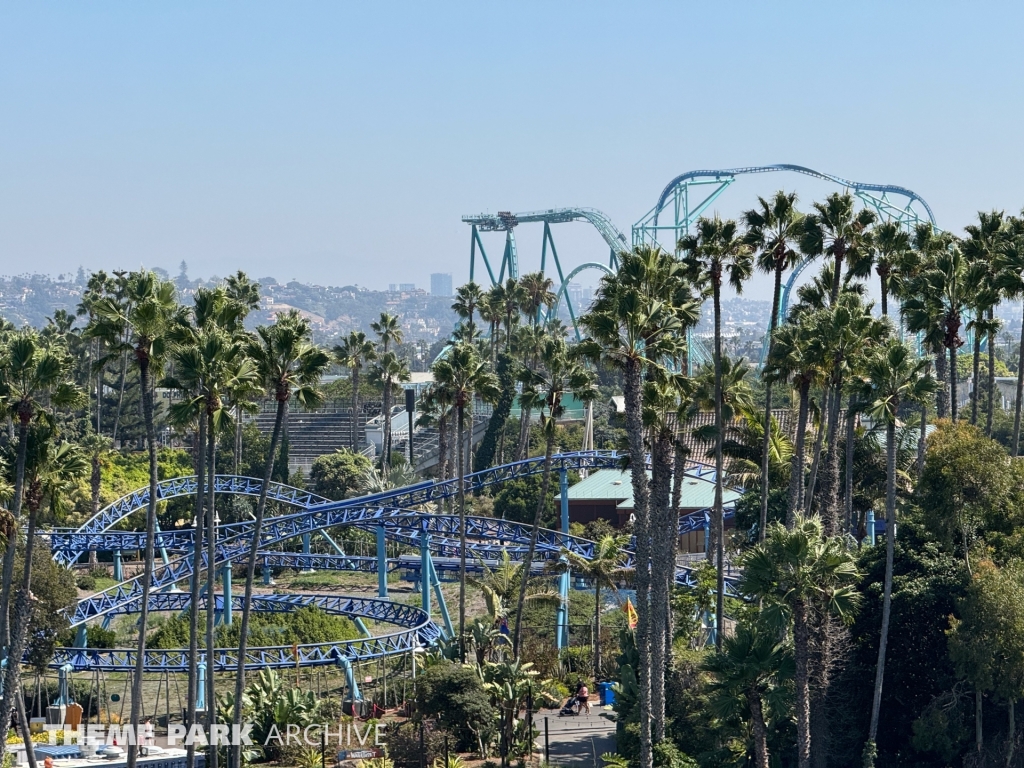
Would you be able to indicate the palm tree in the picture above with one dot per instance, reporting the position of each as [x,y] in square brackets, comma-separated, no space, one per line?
[796,573]
[772,229]
[981,246]
[937,298]
[354,351]
[604,568]
[464,373]
[707,255]
[631,328]
[34,377]
[435,409]
[147,314]
[562,373]
[467,299]
[750,668]
[96,446]
[891,245]
[1009,267]
[388,369]
[895,377]
[389,332]
[537,295]
[835,229]
[289,366]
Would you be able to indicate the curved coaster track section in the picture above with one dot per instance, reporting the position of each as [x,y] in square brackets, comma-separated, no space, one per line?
[391,511]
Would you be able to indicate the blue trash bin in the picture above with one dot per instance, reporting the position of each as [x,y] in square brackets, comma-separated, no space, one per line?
[607,693]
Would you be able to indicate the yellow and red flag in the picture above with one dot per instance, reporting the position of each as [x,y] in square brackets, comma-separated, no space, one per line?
[631,617]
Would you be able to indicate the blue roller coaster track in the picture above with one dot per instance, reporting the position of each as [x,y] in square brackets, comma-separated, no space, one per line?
[390,515]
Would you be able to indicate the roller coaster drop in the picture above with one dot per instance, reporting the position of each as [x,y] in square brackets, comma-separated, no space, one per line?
[388,515]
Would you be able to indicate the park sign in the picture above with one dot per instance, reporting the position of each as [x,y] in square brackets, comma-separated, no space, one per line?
[359,754]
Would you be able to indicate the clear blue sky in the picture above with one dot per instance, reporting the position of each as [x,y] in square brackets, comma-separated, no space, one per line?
[341,142]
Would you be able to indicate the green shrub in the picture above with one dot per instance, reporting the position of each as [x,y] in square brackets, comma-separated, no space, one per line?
[87,582]
[455,697]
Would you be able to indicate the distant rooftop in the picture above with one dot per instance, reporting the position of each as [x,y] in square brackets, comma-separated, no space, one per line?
[615,484]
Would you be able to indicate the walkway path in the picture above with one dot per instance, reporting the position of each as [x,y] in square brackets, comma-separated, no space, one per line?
[578,741]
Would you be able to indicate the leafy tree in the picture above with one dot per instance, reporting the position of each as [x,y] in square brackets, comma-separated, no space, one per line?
[965,485]
[518,499]
[337,474]
[454,695]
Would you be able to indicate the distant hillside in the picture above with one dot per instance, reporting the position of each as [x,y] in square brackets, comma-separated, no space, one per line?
[31,299]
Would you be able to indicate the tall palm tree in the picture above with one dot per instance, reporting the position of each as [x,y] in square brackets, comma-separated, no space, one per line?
[467,299]
[796,573]
[464,373]
[354,352]
[891,246]
[33,378]
[894,378]
[715,251]
[937,298]
[603,569]
[147,314]
[631,328]
[1009,267]
[389,333]
[837,230]
[537,295]
[290,366]
[750,668]
[435,409]
[388,369]
[773,229]
[983,242]
[561,373]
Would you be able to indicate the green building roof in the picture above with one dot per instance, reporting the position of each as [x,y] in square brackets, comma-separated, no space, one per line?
[615,485]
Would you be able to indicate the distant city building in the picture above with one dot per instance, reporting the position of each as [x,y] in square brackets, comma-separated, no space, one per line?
[401,287]
[441,284]
[581,296]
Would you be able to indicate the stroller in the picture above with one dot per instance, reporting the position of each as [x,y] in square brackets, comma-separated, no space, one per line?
[571,708]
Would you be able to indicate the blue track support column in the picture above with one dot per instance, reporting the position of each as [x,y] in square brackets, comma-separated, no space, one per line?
[267,581]
[361,626]
[425,572]
[871,526]
[226,579]
[350,680]
[562,614]
[382,564]
[305,550]
[441,604]
[81,637]
[118,571]
[331,543]
[163,549]
[201,686]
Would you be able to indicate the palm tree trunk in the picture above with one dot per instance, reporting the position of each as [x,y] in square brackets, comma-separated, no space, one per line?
[819,441]
[922,440]
[236,454]
[719,470]
[1011,732]
[250,567]
[991,373]
[758,729]
[354,427]
[194,592]
[678,478]
[942,376]
[385,458]
[766,439]
[12,542]
[95,483]
[212,753]
[120,401]
[1020,390]
[597,629]
[661,556]
[829,496]
[851,430]
[975,375]
[632,393]
[953,404]
[549,449]
[890,554]
[803,699]
[461,458]
[146,394]
[796,471]
[523,448]
[979,741]
[442,443]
